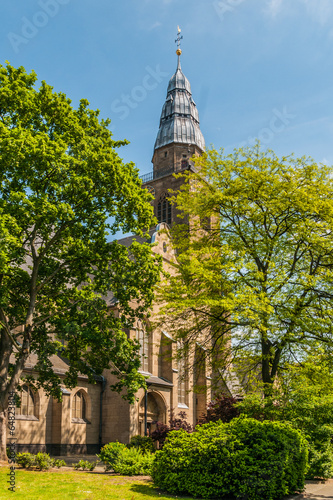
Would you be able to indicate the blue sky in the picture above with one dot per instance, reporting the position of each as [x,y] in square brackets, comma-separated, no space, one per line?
[258,68]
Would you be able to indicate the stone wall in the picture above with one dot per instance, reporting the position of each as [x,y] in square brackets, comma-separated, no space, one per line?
[53,428]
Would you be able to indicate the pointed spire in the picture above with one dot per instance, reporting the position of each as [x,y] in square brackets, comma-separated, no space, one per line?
[178,65]
[179,121]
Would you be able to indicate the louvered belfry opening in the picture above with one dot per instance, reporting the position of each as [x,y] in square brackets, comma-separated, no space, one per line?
[164,212]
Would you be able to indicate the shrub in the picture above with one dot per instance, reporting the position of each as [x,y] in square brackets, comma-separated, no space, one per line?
[160,433]
[109,454]
[133,462]
[59,463]
[320,460]
[26,460]
[221,408]
[43,461]
[143,443]
[311,414]
[244,458]
[176,422]
[85,465]
[320,449]
[92,465]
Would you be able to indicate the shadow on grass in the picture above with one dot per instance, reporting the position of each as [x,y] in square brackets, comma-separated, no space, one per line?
[151,491]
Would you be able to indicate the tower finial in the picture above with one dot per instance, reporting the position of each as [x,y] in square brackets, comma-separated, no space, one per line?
[177,41]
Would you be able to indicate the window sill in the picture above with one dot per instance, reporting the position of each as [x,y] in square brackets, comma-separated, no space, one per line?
[183,405]
[146,374]
[80,421]
[26,417]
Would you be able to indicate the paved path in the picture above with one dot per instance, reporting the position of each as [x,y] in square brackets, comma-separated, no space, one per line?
[316,490]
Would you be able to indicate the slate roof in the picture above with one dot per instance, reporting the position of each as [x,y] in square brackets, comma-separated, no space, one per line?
[179,118]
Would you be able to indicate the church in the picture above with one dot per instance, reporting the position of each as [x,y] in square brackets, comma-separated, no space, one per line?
[91,415]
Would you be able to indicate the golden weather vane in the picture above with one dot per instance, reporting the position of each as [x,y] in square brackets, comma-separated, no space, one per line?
[177,41]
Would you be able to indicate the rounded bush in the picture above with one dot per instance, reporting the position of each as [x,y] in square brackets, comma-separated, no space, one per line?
[43,461]
[244,458]
[109,454]
[26,460]
[306,411]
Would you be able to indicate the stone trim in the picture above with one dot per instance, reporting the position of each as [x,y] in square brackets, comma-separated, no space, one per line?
[26,417]
[80,421]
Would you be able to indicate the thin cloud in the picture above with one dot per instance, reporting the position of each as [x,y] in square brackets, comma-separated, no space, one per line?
[320,11]
[157,24]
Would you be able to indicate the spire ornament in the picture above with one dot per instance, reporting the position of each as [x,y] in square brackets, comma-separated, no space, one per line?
[177,41]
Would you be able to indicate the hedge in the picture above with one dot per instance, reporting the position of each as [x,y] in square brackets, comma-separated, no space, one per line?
[245,458]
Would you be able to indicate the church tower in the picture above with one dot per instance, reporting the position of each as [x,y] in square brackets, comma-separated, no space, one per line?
[179,138]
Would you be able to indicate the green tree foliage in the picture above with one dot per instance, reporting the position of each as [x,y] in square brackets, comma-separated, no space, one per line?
[304,399]
[63,189]
[255,261]
[242,459]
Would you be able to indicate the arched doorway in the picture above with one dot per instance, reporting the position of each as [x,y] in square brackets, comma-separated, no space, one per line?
[156,412]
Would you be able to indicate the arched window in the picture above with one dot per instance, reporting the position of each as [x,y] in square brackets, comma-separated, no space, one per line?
[142,337]
[182,378]
[79,406]
[164,209]
[27,402]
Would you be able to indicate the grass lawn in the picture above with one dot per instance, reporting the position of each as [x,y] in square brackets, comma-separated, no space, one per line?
[75,485]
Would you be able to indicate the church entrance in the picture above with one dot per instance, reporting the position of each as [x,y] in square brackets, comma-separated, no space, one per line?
[156,412]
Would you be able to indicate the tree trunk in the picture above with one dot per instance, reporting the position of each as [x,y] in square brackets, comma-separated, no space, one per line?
[3,435]
[268,389]
[266,368]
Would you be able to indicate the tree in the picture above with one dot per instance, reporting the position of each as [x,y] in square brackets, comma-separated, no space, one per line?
[176,422]
[63,189]
[303,398]
[253,283]
[221,408]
